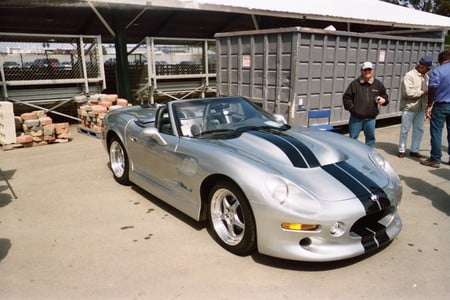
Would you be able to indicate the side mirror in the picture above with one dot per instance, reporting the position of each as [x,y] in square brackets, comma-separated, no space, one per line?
[153,133]
[279,118]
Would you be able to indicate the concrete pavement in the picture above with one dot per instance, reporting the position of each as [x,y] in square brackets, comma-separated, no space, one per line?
[74,233]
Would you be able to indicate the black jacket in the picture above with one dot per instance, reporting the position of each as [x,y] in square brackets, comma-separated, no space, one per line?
[359,98]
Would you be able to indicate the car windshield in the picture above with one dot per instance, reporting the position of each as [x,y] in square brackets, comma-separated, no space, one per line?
[220,117]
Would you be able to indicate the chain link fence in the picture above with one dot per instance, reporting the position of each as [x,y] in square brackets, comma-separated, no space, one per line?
[57,58]
[171,68]
[49,69]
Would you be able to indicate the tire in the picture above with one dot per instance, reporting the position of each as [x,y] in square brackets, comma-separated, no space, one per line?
[118,159]
[231,220]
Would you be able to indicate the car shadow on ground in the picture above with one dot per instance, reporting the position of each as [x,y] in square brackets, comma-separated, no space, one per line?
[169,209]
[165,206]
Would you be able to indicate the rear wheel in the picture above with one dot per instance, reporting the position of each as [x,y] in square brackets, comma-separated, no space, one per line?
[119,161]
[231,220]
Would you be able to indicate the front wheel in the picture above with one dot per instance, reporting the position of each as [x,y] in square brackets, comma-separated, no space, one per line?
[119,161]
[231,220]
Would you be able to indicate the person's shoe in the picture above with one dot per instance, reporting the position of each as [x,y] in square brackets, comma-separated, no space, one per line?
[430,163]
[416,154]
[401,154]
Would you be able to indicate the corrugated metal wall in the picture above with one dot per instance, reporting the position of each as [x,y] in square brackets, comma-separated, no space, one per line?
[292,70]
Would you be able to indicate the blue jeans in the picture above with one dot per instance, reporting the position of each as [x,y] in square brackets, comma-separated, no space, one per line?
[355,125]
[416,120]
[439,114]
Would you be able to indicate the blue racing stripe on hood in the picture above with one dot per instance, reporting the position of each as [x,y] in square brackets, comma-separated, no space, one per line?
[297,152]
[304,150]
[374,188]
[372,197]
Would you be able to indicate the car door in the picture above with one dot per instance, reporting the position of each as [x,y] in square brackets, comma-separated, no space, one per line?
[156,164]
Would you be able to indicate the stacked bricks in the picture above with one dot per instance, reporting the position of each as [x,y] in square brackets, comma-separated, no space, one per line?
[94,110]
[36,128]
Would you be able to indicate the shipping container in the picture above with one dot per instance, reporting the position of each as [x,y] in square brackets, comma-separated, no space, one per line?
[290,71]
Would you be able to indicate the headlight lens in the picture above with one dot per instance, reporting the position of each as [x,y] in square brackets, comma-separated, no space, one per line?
[290,195]
[277,188]
[377,159]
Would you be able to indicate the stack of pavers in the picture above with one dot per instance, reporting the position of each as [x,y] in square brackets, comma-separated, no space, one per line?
[92,112]
[36,128]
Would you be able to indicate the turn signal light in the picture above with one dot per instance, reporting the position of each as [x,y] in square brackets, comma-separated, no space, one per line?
[299,226]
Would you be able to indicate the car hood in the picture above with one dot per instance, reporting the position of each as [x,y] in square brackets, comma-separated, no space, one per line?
[328,165]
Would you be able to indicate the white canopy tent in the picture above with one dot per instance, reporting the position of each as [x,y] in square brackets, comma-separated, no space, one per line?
[368,11]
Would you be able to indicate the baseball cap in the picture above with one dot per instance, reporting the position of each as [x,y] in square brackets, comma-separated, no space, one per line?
[426,61]
[367,65]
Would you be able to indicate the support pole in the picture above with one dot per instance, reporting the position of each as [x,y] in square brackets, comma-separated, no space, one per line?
[120,42]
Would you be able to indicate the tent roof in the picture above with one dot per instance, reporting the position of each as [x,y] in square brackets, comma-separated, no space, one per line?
[205,18]
[371,11]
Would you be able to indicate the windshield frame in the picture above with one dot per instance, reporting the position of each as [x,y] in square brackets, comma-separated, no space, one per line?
[220,117]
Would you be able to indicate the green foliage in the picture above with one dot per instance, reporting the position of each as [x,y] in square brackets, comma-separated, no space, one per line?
[442,7]
[439,7]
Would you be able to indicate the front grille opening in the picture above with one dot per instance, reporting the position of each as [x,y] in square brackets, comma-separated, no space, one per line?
[372,232]
[369,220]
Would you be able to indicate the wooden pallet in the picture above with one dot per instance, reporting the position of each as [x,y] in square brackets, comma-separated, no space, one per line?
[6,147]
[89,131]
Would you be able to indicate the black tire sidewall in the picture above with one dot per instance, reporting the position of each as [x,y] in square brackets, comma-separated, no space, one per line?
[248,244]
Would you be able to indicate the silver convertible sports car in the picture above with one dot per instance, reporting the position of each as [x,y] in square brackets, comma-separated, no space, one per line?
[300,194]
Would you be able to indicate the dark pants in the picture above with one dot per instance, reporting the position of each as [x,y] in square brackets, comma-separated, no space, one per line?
[440,114]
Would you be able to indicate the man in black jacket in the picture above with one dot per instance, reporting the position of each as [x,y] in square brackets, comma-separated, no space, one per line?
[362,98]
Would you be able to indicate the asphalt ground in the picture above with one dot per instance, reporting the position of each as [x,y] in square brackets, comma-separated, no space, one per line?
[74,233]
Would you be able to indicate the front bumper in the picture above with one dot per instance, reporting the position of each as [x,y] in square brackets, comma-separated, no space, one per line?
[362,234]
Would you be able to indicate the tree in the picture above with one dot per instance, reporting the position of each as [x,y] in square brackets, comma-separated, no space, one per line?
[440,7]
[443,7]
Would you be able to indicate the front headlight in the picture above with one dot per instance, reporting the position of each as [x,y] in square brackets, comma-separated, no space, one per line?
[395,183]
[382,163]
[377,159]
[290,195]
[277,188]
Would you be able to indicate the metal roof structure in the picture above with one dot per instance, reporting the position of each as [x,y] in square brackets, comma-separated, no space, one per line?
[204,18]
[369,12]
